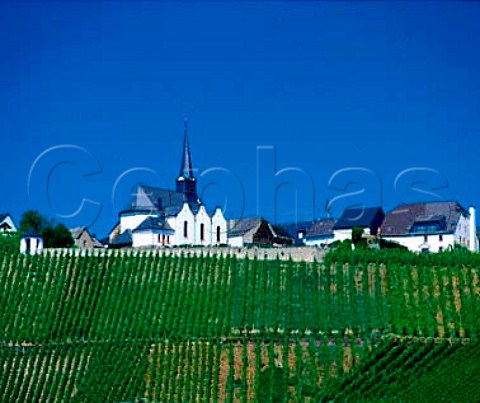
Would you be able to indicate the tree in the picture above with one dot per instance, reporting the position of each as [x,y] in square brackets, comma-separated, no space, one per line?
[32,219]
[357,235]
[57,237]
[54,235]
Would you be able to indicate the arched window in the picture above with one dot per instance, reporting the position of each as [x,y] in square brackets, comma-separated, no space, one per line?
[202,232]
[218,233]
[185,229]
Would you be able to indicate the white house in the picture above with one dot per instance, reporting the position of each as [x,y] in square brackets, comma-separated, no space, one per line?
[7,224]
[158,217]
[431,227]
[31,243]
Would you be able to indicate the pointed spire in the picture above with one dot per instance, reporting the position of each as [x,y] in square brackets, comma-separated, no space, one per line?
[186,171]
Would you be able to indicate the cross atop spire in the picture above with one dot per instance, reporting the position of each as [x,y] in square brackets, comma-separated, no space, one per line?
[186,171]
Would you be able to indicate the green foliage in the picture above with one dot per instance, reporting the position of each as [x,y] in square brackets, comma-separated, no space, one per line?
[142,325]
[9,243]
[457,257]
[273,386]
[32,219]
[412,371]
[357,235]
[58,236]
[115,372]
[54,235]
[386,244]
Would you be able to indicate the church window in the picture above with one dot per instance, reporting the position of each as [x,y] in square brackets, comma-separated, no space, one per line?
[218,233]
[202,232]
[185,229]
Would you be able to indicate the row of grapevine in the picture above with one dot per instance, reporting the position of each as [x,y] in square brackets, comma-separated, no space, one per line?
[149,295]
[404,369]
[130,326]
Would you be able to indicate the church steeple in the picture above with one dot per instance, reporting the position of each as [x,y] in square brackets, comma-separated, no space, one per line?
[186,182]
[186,170]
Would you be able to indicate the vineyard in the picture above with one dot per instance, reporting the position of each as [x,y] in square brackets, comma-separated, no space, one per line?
[148,327]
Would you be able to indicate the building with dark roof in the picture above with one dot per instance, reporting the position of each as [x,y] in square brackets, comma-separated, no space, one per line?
[255,231]
[83,239]
[432,226]
[320,232]
[158,217]
[369,219]
[311,233]
[7,224]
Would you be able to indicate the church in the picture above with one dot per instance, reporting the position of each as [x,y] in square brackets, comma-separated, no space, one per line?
[158,217]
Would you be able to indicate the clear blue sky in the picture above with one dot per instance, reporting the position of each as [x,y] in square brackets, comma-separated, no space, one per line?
[385,87]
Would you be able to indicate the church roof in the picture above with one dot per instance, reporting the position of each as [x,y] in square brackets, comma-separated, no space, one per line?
[153,224]
[166,201]
[123,239]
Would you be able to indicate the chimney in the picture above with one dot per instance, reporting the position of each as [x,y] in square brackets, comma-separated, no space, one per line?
[473,230]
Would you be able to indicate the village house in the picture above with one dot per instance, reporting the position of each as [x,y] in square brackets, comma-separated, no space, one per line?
[83,239]
[31,243]
[158,217]
[6,223]
[369,219]
[255,231]
[431,227]
[320,233]
[311,233]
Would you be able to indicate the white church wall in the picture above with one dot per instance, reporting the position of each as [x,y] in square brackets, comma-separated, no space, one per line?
[172,222]
[144,238]
[185,215]
[202,218]
[218,220]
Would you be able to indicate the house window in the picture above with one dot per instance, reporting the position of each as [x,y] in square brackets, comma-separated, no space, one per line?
[440,237]
[440,249]
[425,238]
[218,233]
[202,232]
[185,229]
